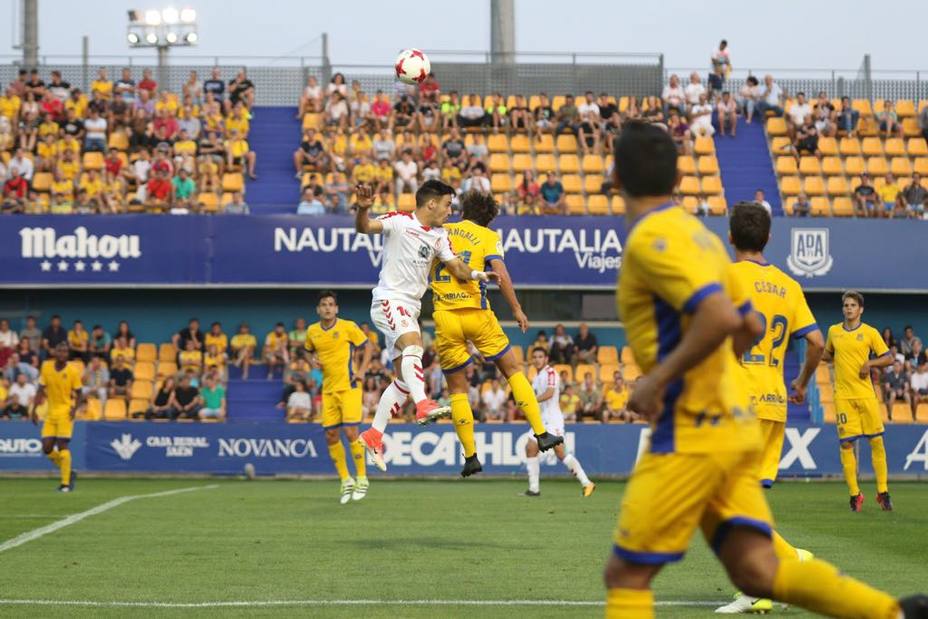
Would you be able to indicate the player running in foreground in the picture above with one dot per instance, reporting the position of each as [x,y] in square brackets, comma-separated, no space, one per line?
[331,342]
[411,242]
[684,314]
[60,383]
[462,314]
[548,390]
[781,305]
[857,409]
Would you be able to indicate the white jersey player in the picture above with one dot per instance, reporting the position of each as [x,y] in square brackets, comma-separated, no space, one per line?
[547,387]
[411,242]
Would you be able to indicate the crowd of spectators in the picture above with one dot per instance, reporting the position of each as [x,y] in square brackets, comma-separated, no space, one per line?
[127,145]
[906,380]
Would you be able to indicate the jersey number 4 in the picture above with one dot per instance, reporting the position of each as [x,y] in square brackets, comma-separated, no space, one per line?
[440,275]
[778,327]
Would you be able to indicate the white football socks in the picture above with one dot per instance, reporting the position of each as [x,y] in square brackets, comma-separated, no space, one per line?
[391,403]
[412,372]
[534,473]
[573,465]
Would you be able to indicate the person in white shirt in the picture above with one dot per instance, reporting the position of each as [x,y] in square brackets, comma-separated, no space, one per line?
[406,173]
[95,136]
[311,100]
[797,114]
[412,242]
[547,388]
[9,339]
[771,97]
[589,109]
[673,96]
[494,402]
[299,404]
[759,198]
[477,181]
[21,394]
[701,117]
[694,89]
[22,164]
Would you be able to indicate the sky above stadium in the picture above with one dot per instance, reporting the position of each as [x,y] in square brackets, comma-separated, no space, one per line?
[762,35]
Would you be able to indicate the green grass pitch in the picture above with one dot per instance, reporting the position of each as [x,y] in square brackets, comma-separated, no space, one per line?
[264,541]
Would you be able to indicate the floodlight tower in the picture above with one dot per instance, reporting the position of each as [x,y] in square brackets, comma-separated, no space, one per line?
[162,29]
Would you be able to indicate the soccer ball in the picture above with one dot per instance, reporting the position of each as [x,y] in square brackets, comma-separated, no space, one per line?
[412,66]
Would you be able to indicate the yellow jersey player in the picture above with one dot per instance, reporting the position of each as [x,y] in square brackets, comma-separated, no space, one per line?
[850,345]
[332,342]
[781,305]
[462,314]
[684,315]
[60,384]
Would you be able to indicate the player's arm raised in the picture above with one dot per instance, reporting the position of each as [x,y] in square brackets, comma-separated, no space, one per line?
[364,199]
[509,293]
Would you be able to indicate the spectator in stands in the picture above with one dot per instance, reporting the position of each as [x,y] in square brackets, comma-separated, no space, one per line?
[20,396]
[919,386]
[528,191]
[914,197]
[802,207]
[888,120]
[591,398]
[190,333]
[771,97]
[311,204]
[123,331]
[406,173]
[674,96]
[276,350]
[825,115]
[21,165]
[239,154]
[847,118]
[190,357]
[701,117]
[193,89]
[493,399]
[653,112]
[570,402]
[79,342]
[95,137]
[567,117]
[453,151]
[383,146]
[889,196]
[680,132]
[53,335]
[923,121]
[96,380]
[866,198]
[797,114]
[243,345]
[32,334]
[159,192]
[187,398]
[761,199]
[721,67]
[163,404]
[9,340]
[100,343]
[148,83]
[477,150]
[120,379]
[562,346]
[184,190]
[299,403]
[472,113]
[896,382]
[214,85]
[543,115]
[519,116]
[553,198]
[122,350]
[727,111]
[449,110]
[310,153]
[212,400]
[805,139]
[586,345]
[694,90]
[337,112]
[311,99]
[616,400]
[477,181]
[403,116]
[28,125]
[242,89]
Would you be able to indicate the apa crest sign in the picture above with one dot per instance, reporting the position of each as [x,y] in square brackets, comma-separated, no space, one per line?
[809,252]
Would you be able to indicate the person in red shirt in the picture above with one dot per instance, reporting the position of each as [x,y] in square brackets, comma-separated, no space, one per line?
[14,192]
[147,82]
[158,191]
[52,107]
[381,110]
[113,163]
[429,90]
[163,120]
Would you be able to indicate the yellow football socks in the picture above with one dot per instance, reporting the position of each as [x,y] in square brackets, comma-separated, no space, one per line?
[878,457]
[463,418]
[629,604]
[525,399]
[819,587]
[782,548]
[337,453]
[849,462]
[358,455]
[64,456]
[55,457]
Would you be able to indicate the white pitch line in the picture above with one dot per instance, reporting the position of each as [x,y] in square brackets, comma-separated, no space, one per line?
[310,603]
[34,534]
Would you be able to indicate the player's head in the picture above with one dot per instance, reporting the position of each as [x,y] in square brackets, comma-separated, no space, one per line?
[327,308]
[61,352]
[749,227]
[645,161]
[433,202]
[539,357]
[478,207]
[853,305]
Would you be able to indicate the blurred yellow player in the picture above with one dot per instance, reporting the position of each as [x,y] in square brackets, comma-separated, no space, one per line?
[685,314]
[60,384]
[462,314]
[850,345]
[332,342]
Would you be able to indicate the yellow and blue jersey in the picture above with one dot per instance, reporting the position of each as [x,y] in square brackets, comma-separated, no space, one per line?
[671,263]
[59,386]
[477,246]
[851,348]
[334,348]
[780,303]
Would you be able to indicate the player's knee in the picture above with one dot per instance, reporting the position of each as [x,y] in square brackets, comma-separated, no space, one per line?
[847,445]
[621,574]
[331,436]
[413,350]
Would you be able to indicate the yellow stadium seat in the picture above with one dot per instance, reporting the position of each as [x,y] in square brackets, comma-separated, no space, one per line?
[144,370]
[711,185]
[789,204]
[598,204]
[569,164]
[854,166]
[813,186]
[208,201]
[867,127]
[522,162]
[708,165]
[571,183]
[871,147]
[566,144]
[877,166]
[233,182]
[690,204]
[790,185]
[831,166]
[593,164]
[916,147]
[592,183]
[312,121]
[92,161]
[115,409]
[407,202]
[863,106]
[583,369]
[607,354]
[689,185]
[717,205]
[533,102]
[166,368]
[631,372]
[501,183]
[167,352]
[544,143]
[545,163]
[626,355]
[704,146]
[576,205]
[828,146]
[910,128]
[894,147]
[118,141]
[607,372]
[786,166]
[849,146]
[146,352]
[776,126]
[842,207]
[564,368]
[557,102]
[142,389]
[42,181]
[921,166]
[820,206]
[900,166]
[498,143]
[810,166]
[227,197]
[93,409]
[779,145]
[520,144]
[138,408]
[686,164]
[905,108]
[837,186]
[618,205]
[499,162]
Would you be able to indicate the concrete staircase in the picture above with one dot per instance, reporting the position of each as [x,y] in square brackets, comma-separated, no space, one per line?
[746,165]
[274,135]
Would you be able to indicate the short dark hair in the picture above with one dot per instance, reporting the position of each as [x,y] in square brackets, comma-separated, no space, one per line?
[432,190]
[646,160]
[853,294]
[541,349]
[328,294]
[905,328]
[749,226]
[478,207]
